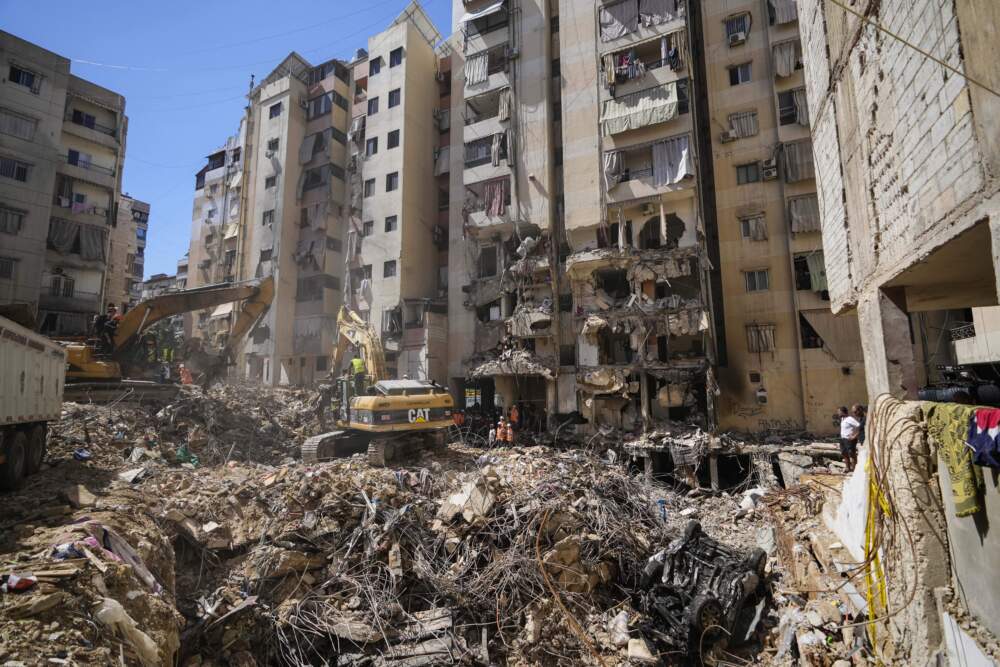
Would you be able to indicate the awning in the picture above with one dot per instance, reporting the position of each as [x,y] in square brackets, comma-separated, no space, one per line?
[485,11]
[222,310]
[236,180]
[232,229]
[841,335]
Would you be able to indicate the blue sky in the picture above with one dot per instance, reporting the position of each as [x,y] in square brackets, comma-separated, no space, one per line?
[184,68]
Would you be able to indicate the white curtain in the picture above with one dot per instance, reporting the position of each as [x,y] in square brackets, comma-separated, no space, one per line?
[804,214]
[92,242]
[744,124]
[647,107]
[671,161]
[798,161]
[785,11]
[801,106]
[619,20]
[654,12]
[495,149]
[475,68]
[760,337]
[757,228]
[612,169]
[63,234]
[786,55]
[504,105]
[817,271]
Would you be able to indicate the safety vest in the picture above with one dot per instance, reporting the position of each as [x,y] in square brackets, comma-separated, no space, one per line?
[357,365]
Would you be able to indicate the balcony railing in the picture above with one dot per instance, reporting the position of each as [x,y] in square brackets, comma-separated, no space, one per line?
[964,331]
[89,166]
[77,301]
[90,123]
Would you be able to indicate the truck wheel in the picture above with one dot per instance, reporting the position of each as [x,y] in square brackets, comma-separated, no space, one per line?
[12,470]
[36,450]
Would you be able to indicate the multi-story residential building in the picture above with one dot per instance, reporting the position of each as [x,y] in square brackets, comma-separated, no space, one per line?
[396,248]
[157,284]
[638,232]
[62,147]
[182,272]
[126,253]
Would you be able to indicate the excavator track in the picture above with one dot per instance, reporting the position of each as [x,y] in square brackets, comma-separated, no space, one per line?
[333,445]
[381,452]
[127,391]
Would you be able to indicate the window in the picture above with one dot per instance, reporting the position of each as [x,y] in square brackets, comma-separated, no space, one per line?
[739,74]
[84,118]
[760,338]
[394,97]
[374,66]
[487,261]
[396,57]
[272,144]
[787,112]
[319,106]
[754,377]
[391,181]
[368,228]
[10,168]
[140,234]
[486,24]
[810,339]
[270,181]
[274,111]
[393,140]
[321,363]
[737,28]
[17,125]
[389,269]
[371,147]
[748,173]
[7,268]
[373,106]
[758,280]
[268,217]
[753,228]
[369,187]
[333,244]
[391,223]
[62,286]
[11,220]
[23,77]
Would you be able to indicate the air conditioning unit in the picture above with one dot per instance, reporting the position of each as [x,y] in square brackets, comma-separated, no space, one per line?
[728,135]
[769,169]
[737,38]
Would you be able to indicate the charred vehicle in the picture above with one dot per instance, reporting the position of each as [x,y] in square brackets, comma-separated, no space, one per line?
[703,596]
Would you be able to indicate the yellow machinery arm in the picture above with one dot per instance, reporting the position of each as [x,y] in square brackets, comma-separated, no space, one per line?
[258,295]
[355,331]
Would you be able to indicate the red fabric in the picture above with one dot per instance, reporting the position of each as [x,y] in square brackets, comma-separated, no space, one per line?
[987,418]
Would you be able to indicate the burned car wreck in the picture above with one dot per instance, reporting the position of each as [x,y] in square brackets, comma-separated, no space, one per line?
[702,596]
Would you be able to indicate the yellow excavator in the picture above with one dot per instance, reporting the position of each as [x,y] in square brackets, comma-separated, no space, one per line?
[390,417]
[108,369]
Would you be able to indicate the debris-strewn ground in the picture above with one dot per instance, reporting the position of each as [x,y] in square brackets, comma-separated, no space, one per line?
[192,535]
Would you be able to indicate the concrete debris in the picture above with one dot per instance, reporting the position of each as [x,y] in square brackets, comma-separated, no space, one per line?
[463,557]
[510,362]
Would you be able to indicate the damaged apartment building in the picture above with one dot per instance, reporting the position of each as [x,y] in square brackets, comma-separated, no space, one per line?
[638,236]
[329,186]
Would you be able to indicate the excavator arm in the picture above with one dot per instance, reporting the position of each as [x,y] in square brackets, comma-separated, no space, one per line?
[256,294]
[355,331]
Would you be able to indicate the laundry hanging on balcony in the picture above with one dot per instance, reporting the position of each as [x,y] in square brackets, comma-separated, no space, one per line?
[306,149]
[619,20]
[92,242]
[786,56]
[671,161]
[801,107]
[612,169]
[817,271]
[804,214]
[798,161]
[498,150]
[646,107]
[476,68]
[495,197]
[785,11]
[503,106]
[63,235]
[655,12]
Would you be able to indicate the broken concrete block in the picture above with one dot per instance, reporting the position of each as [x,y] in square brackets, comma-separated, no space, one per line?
[689,511]
[215,536]
[638,650]
[79,496]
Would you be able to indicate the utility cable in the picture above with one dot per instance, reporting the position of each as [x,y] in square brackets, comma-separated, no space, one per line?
[873,23]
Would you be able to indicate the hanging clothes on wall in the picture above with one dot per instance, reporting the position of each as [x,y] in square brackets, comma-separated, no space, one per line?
[786,55]
[948,427]
[671,161]
[476,68]
[801,107]
[612,169]
[984,437]
[503,107]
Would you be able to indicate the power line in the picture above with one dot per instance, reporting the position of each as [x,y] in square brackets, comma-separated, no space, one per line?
[873,23]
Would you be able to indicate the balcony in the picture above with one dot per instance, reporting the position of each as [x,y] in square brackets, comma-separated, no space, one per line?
[86,213]
[75,302]
[649,170]
[651,63]
[486,71]
[75,166]
[86,127]
[487,204]
[479,163]
[651,106]
[620,24]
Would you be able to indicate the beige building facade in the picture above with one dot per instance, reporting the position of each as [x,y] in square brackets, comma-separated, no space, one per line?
[62,149]
[126,253]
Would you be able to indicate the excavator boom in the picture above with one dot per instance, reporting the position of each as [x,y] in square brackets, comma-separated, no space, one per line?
[355,331]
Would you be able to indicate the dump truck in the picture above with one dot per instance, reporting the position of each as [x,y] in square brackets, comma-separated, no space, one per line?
[32,373]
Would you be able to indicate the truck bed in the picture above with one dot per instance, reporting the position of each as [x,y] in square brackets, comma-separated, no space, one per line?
[32,373]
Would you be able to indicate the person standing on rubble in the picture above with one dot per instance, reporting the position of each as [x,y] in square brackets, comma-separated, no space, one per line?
[358,370]
[850,429]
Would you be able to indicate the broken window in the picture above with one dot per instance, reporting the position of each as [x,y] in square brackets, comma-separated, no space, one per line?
[760,337]
[649,235]
[614,236]
[614,282]
[810,272]
[809,338]
[488,261]
[489,312]
[392,321]
[614,348]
